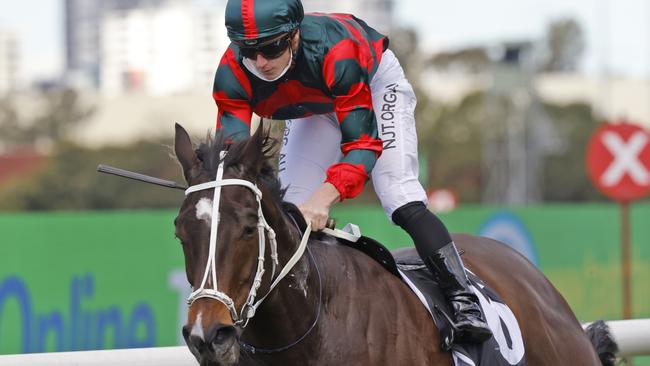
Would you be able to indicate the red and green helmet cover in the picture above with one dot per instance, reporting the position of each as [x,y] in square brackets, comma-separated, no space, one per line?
[251,22]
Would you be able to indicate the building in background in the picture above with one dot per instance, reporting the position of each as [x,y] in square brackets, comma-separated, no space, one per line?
[164,47]
[82,42]
[149,46]
[9,61]
[379,14]
[161,50]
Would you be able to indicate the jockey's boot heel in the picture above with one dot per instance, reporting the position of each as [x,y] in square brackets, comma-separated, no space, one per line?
[448,270]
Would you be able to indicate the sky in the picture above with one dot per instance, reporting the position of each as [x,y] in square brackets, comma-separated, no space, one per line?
[617,31]
[39,26]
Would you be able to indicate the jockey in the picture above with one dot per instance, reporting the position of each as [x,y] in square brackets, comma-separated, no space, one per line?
[349,115]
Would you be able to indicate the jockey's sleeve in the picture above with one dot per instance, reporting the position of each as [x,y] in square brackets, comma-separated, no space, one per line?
[345,69]
[232,94]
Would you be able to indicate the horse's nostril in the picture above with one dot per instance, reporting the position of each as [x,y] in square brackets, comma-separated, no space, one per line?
[224,334]
[197,343]
[186,332]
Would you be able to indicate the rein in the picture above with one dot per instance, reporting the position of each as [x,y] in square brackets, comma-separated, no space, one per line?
[253,350]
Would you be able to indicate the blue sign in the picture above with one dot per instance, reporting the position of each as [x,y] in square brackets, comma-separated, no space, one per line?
[510,230]
[78,327]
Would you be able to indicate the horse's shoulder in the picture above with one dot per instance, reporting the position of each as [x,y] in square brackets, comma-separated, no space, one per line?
[481,247]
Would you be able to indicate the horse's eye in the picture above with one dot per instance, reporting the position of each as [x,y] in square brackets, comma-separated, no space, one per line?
[249,231]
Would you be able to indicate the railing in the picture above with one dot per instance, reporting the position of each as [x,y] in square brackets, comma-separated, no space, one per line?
[632,336]
[159,356]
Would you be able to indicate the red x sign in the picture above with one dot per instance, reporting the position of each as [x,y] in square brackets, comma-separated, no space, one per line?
[618,161]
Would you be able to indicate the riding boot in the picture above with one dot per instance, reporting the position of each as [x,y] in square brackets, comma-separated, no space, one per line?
[448,270]
[435,246]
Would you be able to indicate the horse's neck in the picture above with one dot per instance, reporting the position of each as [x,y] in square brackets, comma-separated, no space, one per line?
[290,309]
[326,273]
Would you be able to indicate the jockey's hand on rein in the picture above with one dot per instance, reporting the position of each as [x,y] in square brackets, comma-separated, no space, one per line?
[316,208]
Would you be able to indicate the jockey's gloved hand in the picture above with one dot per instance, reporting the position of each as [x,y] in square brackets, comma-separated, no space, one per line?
[316,209]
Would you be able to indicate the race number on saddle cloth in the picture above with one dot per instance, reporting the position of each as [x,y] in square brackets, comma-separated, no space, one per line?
[343,95]
[504,348]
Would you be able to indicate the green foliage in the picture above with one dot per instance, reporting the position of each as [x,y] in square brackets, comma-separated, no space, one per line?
[452,137]
[471,60]
[452,144]
[70,181]
[565,174]
[565,43]
[10,128]
[62,112]
[404,43]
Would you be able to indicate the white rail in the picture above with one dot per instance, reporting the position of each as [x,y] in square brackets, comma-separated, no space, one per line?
[159,356]
[632,336]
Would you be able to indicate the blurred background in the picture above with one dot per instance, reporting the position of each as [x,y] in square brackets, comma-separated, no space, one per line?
[509,93]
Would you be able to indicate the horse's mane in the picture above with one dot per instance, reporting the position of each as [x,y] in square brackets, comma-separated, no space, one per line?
[209,150]
[208,153]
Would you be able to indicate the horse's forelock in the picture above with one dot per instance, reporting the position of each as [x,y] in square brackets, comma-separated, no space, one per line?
[209,150]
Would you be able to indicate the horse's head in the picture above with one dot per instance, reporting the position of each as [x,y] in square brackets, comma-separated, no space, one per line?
[215,312]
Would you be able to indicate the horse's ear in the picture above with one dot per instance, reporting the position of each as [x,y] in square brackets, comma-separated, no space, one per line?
[252,156]
[185,153]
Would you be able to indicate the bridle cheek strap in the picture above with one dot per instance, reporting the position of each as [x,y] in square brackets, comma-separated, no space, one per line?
[249,308]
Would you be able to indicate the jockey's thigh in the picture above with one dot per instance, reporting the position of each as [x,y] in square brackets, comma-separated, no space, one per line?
[395,175]
[310,145]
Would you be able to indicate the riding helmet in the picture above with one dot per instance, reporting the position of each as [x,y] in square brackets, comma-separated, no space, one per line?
[252,22]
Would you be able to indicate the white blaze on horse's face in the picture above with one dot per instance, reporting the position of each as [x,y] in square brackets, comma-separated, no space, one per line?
[204,210]
[197,329]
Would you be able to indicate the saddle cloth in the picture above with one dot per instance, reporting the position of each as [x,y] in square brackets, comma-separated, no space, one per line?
[505,348]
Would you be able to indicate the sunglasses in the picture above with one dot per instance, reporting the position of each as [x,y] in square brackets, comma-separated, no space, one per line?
[269,51]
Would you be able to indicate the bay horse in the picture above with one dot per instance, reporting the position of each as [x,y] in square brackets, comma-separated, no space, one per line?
[331,305]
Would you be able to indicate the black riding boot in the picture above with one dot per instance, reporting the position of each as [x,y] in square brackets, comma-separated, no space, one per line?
[435,247]
[448,270]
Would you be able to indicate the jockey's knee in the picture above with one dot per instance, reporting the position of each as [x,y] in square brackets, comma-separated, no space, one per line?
[428,232]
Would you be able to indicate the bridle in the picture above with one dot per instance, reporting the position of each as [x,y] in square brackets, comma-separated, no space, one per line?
[247,311]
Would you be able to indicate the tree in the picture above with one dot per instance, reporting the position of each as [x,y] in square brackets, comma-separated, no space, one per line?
[404,43]
[71,182]
[565,174]
[11,131]
[565,43]
[467,60]
[453,145]
[61,114]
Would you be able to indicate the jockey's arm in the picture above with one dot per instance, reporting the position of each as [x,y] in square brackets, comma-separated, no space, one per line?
[232,93]
[361,147]
[349,81]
